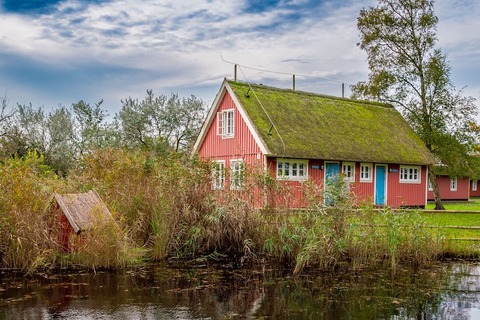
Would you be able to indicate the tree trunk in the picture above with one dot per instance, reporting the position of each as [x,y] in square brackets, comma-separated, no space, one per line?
[436,192]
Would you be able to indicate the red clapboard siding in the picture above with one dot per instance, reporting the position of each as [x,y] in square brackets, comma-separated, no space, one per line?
[462,192]
[475,193]
[362,191]
[242,145]
[405,194]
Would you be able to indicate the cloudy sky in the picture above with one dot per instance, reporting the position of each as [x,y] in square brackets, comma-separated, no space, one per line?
[58,52]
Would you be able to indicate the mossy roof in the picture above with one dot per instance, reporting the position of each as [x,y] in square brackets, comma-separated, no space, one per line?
[297,124]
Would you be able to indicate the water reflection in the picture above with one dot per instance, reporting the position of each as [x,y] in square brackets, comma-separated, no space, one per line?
[443,291]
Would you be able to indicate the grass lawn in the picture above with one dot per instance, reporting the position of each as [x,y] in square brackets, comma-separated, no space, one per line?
[472,205]
[452,235]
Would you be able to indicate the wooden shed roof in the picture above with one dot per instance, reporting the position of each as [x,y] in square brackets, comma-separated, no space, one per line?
[306,125]
[83,210]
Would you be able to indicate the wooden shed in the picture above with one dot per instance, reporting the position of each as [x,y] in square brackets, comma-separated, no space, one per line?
[76,213]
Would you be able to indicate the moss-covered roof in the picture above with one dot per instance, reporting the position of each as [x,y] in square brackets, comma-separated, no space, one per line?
[304,125]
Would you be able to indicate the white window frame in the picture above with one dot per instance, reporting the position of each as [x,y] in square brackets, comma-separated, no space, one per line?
[218,175]
[474,185]
[430,185]
[226,123]
[366,175]
[237,174]
[410,174]
[292,169]
[453,184]
[348,171]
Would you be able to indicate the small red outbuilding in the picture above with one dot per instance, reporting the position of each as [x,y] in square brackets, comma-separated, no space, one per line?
[76,213]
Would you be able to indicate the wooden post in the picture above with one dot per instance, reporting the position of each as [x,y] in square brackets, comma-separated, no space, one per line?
[293,82]
[235,73]
[343,90]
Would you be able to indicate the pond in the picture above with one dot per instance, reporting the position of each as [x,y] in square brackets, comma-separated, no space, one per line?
[222,291]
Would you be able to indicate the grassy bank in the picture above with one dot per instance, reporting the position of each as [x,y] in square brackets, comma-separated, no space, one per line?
[164,205]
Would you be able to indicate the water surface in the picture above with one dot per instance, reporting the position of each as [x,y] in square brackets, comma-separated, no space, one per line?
[222,291]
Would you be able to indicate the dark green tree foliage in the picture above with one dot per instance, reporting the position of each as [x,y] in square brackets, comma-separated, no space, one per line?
[410,72]
[161,122]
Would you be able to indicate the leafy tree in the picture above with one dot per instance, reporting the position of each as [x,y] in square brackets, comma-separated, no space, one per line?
[161,122]
[29,131]
[61,136]
[61,152]
[410,72]
[91,128]
[51,135]
[6,118]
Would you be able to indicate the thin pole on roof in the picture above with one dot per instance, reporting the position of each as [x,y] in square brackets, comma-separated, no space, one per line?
[235,72]
[293,82]
[343,90]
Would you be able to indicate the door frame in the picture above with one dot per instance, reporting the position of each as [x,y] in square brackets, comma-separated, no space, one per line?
[385,185]
[325,163]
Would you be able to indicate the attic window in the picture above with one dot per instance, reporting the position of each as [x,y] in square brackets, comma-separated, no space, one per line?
[290,169]
[409,174]
[226,123]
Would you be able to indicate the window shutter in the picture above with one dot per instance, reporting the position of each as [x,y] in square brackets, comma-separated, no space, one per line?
[219,123]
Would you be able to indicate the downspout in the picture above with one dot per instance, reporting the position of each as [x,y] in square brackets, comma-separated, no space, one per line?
[427,180]
[265,172]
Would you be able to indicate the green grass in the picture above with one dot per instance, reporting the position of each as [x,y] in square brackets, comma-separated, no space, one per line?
[472,205]
[452,236]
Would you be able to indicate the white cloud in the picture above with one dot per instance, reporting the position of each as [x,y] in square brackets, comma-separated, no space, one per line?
[118,49]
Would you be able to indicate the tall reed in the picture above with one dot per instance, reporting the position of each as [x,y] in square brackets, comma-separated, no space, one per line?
[26,240]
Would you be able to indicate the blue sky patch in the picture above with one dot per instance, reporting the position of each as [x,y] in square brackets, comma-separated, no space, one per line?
[29,6]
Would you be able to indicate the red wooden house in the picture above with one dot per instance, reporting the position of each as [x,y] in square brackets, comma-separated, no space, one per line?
[451,188]
[297,137]
[474,188]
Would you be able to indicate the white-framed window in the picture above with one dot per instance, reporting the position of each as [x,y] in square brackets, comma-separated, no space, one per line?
[453,184]
[218,175]
[474,185]
[237,174]
[348,170]
[292,169]
[410,174]
[226,123]
[366,172]
[430,186]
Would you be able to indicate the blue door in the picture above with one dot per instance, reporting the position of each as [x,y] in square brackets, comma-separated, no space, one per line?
[332,171]
[380,179]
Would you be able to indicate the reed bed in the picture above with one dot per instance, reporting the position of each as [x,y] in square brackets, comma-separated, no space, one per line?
[163,205]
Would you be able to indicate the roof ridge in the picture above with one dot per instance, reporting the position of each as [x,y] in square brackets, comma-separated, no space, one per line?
[307,93]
